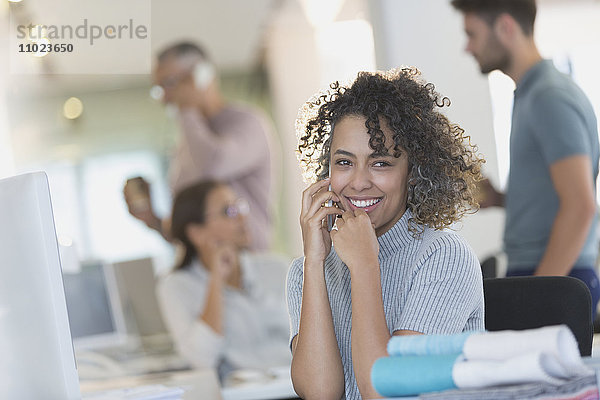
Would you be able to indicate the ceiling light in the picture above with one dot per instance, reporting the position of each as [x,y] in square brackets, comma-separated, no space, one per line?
[72,108]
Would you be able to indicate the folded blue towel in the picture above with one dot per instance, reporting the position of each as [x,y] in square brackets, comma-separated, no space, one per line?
[411,375]
[427,344]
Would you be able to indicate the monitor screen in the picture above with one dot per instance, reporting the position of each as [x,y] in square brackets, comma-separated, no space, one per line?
[88,302]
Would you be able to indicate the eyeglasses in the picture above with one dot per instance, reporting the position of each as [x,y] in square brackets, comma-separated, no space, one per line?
[239,207]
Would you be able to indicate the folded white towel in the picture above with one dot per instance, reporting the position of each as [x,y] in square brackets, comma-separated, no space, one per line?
[530,367]
[557,341]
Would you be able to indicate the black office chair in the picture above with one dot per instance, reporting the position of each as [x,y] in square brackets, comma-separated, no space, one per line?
[489,267]
[529,302]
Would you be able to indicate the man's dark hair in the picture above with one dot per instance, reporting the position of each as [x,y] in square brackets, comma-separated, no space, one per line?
[523,11]
[182,49]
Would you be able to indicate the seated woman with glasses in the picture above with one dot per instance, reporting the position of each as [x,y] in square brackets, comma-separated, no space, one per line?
[224,306]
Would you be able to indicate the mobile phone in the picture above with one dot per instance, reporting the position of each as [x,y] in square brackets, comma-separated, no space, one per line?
[329,203]
[138,193]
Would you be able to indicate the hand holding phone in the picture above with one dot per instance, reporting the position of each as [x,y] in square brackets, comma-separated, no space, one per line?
[137,195]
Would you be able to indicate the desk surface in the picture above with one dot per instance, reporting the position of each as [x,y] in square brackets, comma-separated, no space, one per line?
[199,385]
[276,384]
[99,373]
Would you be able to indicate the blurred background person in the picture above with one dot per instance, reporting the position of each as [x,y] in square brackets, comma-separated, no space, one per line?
[218,141]
[550,199]
[225,307]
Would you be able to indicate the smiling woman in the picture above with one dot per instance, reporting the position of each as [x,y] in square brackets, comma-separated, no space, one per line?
[400,172]
[443,165]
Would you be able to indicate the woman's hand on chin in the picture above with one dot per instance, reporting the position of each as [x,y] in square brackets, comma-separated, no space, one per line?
[219,258]
[225,261]
[355,241]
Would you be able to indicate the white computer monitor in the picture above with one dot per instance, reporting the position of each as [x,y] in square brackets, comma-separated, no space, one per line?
[36,353]
[95,312]
[136,284]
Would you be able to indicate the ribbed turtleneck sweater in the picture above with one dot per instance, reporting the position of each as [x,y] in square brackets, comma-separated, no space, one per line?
[430,284]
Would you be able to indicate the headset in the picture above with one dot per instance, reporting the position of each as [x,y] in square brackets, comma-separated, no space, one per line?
[203,74]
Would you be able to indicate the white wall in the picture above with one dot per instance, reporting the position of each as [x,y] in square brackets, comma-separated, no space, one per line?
[428,34]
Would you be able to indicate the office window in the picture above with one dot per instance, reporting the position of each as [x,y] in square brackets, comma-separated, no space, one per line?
[113,234]
[90,213]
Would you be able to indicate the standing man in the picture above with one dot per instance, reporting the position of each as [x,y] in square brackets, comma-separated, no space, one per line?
[550,200]
[218,141]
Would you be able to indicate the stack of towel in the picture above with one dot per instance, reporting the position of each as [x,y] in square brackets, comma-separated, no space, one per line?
[426,363]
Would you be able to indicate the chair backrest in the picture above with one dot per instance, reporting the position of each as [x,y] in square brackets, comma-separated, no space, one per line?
[488,267]
[534,301]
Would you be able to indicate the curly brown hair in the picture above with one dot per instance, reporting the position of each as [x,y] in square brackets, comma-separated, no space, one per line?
[443,164]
